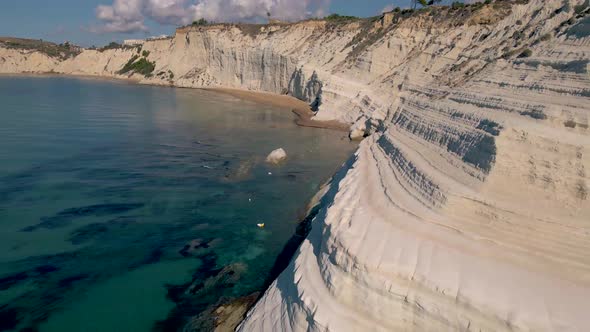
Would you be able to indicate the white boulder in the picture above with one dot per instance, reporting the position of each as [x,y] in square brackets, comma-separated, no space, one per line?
[276,157]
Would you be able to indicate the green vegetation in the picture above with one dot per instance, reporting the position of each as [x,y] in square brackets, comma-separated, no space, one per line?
[110,46]
[546,37]
[570,124]
[424,3]
[145,54]
[522,53]
[200,22]
[251,30]
[526,53]
[457,5]
[62,51]
[510,54]
[339,18]
[141,66]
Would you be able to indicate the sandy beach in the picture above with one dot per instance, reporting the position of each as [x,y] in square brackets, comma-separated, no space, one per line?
[299,107]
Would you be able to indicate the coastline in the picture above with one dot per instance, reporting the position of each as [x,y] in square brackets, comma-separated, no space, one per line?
[79,76]
[229,315]
[467,206]
[301,109]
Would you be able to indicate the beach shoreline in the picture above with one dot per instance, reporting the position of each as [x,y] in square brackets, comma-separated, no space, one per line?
[301,109]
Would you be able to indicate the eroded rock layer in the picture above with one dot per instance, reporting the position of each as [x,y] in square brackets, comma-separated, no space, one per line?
[465,208]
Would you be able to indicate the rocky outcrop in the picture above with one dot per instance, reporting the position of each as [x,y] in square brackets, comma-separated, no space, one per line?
[276,157]
[466,207]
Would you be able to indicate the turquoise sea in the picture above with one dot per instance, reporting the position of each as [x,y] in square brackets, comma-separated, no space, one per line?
[135,208]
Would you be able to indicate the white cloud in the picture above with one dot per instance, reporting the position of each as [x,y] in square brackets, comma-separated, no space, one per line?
[168,11]
[130,15]
[248,10]
[121,16]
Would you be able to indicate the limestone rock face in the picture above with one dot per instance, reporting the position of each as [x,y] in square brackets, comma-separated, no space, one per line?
[467,208]
[276,157]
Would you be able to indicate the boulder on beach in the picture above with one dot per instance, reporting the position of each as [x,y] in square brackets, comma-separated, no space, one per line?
[358,131]
[356,135]
[276,157]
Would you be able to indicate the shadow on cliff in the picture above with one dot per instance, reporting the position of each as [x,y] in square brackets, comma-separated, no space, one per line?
[311,228]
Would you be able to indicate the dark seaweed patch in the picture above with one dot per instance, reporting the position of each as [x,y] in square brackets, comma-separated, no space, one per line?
[100,231]
[87,233]
[154,256]
[7,282]
[100,210]
[187,304]
[65,217]
[46,269]
[28,329]
[69,281]
[8,318]
[194,245]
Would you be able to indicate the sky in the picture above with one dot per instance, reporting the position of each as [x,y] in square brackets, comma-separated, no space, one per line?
[98,22]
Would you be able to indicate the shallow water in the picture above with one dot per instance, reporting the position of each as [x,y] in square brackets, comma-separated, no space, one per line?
[134,208]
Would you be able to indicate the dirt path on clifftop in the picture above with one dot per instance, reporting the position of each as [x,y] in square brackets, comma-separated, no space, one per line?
[300,108]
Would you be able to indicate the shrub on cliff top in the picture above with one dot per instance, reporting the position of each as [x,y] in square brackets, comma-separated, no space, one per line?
[110,46]
[200,22]
[457,5]
[339,18]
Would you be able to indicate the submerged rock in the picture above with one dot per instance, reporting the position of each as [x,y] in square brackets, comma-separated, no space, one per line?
[277,156]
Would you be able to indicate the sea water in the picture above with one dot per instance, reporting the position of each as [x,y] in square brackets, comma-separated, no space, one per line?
[135,208]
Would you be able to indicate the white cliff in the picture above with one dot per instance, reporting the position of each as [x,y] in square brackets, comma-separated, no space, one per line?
[465,208]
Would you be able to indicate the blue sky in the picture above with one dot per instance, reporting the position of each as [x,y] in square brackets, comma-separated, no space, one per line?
[76,20]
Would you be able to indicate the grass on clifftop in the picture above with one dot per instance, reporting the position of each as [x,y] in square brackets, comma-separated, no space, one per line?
[61,51]
[340,18]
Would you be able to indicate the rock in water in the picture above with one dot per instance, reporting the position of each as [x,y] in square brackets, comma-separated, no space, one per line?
[276,157]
